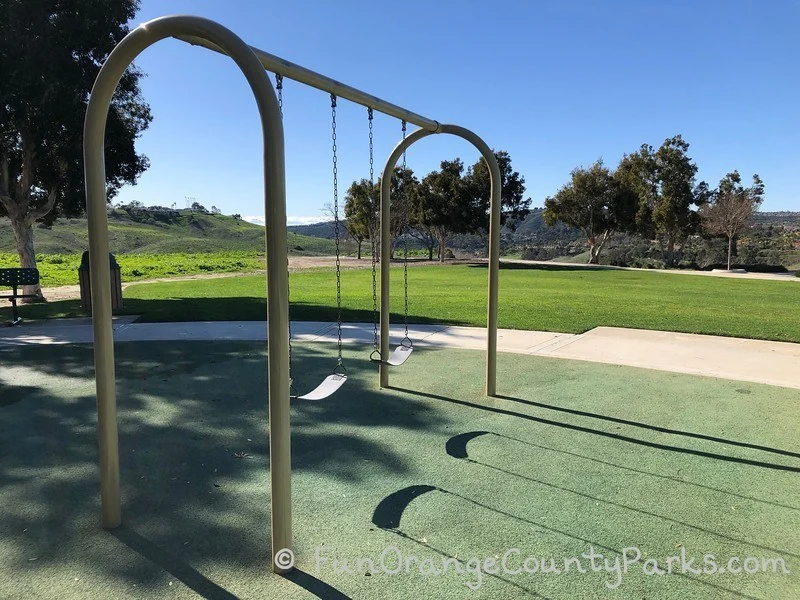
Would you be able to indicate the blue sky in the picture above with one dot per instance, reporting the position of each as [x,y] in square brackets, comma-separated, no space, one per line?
[556,84]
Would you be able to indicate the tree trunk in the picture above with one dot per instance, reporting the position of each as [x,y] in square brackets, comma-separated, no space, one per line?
[442,240]
[592,243]
[430,251]
[594,254]
[23,233]
[671,251]
[730,250]
[359,249]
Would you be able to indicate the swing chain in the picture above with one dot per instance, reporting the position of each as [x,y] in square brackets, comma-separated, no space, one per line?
[292,389]
[375,230]
[406,339]
[371,153]
[404,138]
[339,364]
[279,87]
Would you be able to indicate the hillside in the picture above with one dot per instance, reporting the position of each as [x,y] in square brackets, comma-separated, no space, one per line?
[785,218]
[530,231]
[149,231]
[773,241]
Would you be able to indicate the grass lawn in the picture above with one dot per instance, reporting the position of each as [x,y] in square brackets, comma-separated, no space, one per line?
[560,299]
[62,269]
[573,456]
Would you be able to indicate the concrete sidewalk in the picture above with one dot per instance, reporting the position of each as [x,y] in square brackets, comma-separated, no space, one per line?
[757,361]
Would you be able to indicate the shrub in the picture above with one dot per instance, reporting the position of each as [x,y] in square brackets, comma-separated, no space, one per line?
[54,259]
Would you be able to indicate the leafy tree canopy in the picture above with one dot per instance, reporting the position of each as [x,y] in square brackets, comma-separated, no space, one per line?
[514,206]
[597,202]
[50,54]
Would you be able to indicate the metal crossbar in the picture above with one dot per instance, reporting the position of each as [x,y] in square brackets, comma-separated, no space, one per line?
[285,68]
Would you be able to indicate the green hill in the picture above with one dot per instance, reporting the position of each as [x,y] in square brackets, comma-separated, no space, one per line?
[162,231]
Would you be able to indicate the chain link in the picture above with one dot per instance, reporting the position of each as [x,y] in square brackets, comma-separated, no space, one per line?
[405,244]
[279,87]
[371,157]
[292,389]
[336,233]
[375,243]
[403,126]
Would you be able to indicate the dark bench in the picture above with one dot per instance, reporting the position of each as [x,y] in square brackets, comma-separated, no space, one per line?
[14,278]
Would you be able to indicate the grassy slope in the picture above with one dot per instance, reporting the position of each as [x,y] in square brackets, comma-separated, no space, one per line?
[194,243]
[189,233]
[552,299]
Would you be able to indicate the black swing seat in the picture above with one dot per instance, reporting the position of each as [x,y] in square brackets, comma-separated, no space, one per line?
[327,388]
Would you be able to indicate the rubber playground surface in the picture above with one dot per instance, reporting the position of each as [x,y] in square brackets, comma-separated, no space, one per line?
[575,460]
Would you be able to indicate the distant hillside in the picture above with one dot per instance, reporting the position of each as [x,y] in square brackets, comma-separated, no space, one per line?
[531,230]
[787,218]
[773,240]
[158,231]
[323,229]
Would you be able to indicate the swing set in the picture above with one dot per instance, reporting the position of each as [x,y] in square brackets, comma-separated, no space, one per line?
[338,376]
[254,64]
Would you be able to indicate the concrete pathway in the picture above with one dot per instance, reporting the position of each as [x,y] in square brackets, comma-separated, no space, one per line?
[774,363]
[788,276]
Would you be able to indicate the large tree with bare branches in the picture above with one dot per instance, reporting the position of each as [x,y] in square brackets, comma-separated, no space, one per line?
[50,54]
[731,208]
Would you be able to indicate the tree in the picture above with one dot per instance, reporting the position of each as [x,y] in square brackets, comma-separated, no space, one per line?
[444,205]
[403,189]
[361,212]
[198,208]
[664,182]
[215,210]
[595,201]
[425,235]
[731,207]
[362,208]
[50,54]
[514,206]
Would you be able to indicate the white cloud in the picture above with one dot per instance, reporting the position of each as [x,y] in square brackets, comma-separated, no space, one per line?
[255,220]
[259,220]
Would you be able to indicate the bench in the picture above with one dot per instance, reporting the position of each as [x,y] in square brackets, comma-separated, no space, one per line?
[14,278]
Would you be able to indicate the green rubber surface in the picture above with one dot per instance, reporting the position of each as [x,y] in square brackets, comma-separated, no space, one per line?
[574,456]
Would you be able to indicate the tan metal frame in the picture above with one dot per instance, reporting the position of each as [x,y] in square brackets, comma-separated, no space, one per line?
[252,63]
[494,247]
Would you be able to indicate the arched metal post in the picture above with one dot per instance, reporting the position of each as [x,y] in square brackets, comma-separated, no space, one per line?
[494,247]
[120,59]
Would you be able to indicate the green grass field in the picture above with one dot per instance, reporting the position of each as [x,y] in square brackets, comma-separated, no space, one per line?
[62,269]
[572,456]
[560,299]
